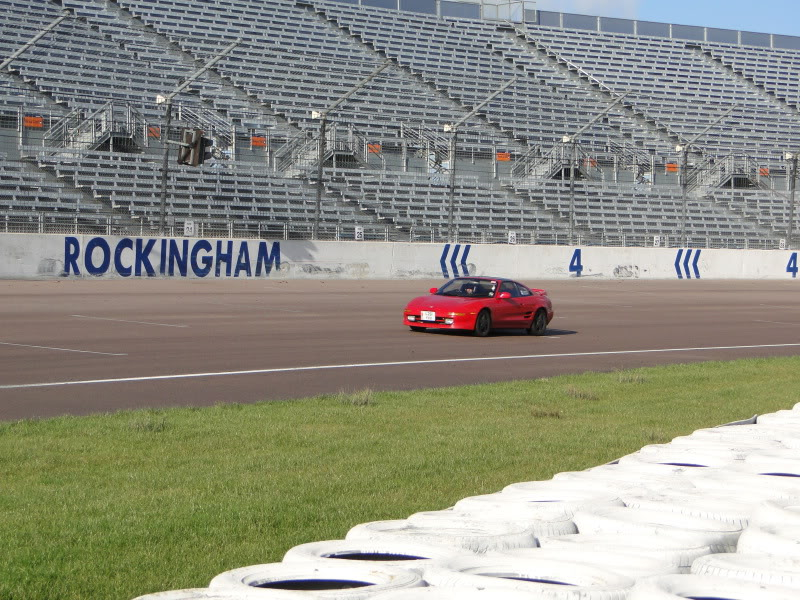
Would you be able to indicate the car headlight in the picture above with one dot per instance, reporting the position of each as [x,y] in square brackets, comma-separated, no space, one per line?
[411,317]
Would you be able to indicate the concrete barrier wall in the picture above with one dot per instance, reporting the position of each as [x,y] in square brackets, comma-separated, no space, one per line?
[26,256]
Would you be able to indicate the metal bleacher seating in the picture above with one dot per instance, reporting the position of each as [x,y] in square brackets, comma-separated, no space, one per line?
[770,68]
[678,86]
[420,203]
[643,212]
[769,210]
[298,56]
[78,66]
[302,63]
[39,204]
[470,60]
[131,185]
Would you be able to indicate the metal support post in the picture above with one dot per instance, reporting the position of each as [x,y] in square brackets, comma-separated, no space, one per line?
[792,156]
[167,100]
[573,165]
[451,232]
[323,123]
[453,128]
[165,167]
[573,161]
[684,179]
[323,117]
[684,148]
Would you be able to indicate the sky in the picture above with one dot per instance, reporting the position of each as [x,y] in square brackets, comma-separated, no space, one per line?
[763,16]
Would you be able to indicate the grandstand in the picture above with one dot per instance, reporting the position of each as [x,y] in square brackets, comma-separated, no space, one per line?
[442,122]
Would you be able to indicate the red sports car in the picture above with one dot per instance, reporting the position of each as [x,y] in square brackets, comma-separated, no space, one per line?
[481,304]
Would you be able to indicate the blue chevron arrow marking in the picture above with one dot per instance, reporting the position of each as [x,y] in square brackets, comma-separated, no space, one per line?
[464,255]
[686,260]
[453,260]
[443,259]
[686,264]
[678,264]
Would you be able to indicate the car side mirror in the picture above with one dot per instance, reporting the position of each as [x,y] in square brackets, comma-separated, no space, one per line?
[433,290]
[504,295]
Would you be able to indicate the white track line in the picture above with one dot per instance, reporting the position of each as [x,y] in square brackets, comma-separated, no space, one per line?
[124,321]
[61,349]
[382,364]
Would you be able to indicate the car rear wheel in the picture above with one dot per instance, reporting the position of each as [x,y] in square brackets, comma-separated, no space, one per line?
[416,329]
[539,323]
[483,324]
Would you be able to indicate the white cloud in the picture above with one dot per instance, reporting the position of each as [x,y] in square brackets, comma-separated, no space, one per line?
[624,9]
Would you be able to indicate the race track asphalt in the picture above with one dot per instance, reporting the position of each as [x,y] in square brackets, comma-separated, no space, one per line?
[86,346]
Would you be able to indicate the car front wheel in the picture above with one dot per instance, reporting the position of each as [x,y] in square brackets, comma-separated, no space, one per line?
[483,324]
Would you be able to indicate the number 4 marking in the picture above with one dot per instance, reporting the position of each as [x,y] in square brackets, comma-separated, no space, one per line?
[575,265]
[791,267]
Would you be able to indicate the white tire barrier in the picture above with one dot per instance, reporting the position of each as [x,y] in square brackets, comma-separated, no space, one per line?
[559,524]
[674,551]
[630,469]
[748,434]
[618,480]
[671,587]
[680,457]
[781,418]
[770,540]
[759,568]
[752,485]
[581,482]
[199,594]
[721,537]
[791,443]
[627,563]
[696,505]
[715,448]
[390,553]
[745,421]
[477,537]
[316,580]
[775,463]
[440,593]
[784,512]
[537,504]
[736,447]
[721,438]
[549,578]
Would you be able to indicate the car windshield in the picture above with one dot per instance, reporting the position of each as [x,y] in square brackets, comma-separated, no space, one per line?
[468,288]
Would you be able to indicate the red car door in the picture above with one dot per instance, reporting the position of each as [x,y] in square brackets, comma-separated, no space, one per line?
[528,303]
[511,311]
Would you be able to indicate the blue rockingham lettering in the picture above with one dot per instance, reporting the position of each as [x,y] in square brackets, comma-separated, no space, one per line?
[151,257]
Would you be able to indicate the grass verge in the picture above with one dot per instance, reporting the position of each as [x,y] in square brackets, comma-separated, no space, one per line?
[115,506]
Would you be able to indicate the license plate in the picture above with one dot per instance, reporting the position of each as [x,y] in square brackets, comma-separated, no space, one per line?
[427,315]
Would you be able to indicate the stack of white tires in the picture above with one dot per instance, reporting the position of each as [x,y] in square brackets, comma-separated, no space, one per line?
[714,514]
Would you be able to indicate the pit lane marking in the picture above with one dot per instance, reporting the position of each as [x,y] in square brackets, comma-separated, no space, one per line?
[60,349]
[776,322]
[126,321]
[385,364]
